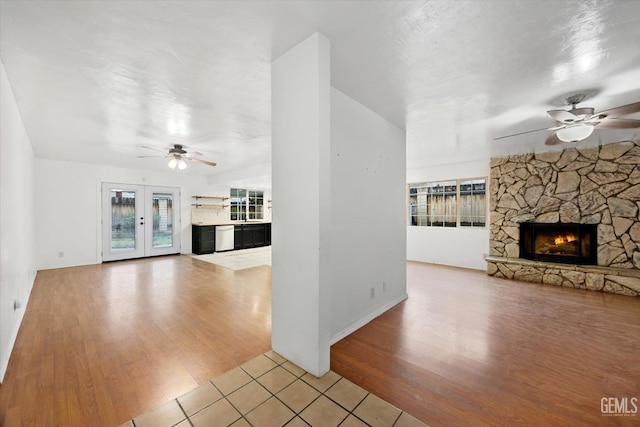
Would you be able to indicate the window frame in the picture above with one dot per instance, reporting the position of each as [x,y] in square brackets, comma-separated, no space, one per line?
[246,204]
[486,211]
[457,197]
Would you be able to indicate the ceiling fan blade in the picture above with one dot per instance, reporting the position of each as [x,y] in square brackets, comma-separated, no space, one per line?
[622,110]
[520,133]
[204,162]
[552,140]
[615,123]
[563,116]
[144,157]
[193,153]
[154,148]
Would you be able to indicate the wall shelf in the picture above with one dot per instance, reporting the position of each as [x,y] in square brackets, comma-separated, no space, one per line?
[210,197]
[209,205]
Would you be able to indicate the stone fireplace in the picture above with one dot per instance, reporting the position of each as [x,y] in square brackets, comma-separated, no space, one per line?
[592,193]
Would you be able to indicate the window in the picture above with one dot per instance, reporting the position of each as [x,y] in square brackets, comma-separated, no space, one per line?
[448,203]
[246,204]
[238,197]
[472,203]
[255,204]
[434,204]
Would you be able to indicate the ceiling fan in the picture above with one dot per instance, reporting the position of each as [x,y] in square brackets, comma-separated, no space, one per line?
[178,154]
[577,124]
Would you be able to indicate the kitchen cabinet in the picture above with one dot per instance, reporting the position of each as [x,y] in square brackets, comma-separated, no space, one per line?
[252,235]
[267,234]
[203,239]
[245,235]
[237,237]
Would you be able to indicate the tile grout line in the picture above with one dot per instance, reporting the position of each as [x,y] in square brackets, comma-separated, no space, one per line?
[184,412]
[233,406]
[397,418]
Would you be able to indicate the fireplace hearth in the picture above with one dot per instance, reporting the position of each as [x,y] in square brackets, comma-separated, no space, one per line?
[566,243]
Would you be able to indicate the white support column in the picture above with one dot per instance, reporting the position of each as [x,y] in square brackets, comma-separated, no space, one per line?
[301,96]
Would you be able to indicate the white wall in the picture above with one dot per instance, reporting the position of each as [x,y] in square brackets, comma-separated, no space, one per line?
[68,207]
[368,227]
[459,247]
[300,103]
[17,258]
[339,230]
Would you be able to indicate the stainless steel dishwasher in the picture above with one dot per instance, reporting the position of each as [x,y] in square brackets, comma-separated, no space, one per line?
[224,238]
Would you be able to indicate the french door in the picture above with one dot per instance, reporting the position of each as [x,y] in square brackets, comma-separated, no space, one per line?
[139,221]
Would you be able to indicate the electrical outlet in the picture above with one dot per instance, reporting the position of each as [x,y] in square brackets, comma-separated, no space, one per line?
[16,304]
[373,292]
[60,254]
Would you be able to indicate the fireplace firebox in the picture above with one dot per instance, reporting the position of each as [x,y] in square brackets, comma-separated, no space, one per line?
[566,243]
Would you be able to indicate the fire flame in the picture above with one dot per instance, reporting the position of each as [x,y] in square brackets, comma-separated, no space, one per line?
[565,239]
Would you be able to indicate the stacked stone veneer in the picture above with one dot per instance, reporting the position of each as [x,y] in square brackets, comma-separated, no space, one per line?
[599,185]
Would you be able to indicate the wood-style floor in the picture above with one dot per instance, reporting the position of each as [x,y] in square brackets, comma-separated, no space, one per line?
[102,344]
[467,349]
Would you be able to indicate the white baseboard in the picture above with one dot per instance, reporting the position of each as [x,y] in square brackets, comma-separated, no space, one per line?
[360,323]
[14,334]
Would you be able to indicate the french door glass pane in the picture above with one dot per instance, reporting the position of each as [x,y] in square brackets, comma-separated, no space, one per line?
[123,220]
[162,209]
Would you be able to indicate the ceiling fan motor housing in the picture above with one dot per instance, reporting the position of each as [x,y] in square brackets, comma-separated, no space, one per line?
[177,149]
[582,113]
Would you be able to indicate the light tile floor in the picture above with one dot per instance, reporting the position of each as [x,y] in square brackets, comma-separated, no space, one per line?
[271,391]
[239,259]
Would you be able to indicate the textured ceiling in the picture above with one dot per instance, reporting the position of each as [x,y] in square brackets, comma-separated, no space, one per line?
[94,80]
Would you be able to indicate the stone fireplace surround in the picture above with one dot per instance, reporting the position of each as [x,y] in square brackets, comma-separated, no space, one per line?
[598,185]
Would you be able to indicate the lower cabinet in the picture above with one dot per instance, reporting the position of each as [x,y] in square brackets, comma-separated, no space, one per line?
[203,239]
[237,237]
[267,234]
[252,235]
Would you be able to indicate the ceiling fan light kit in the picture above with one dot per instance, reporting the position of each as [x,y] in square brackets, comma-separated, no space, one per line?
[177,162]
[575,133]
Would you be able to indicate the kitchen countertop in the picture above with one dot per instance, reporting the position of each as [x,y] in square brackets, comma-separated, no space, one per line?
[233,223]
